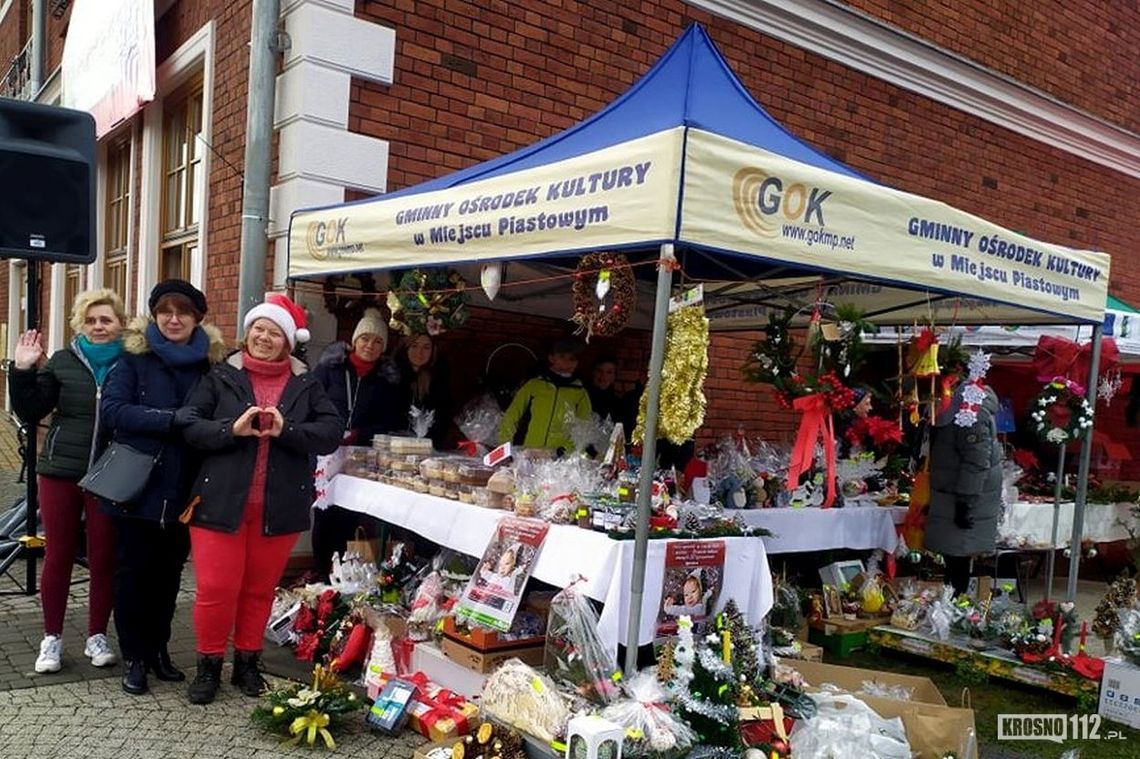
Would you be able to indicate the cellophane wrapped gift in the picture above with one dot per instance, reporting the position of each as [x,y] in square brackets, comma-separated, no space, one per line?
[479,421]
[557,484]
[420,421]
[575,656]
[517,695]
[942,613]
[651,728]
[1128,635]
[590,434]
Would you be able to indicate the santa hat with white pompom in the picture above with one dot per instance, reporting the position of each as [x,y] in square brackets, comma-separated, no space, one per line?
[283,312]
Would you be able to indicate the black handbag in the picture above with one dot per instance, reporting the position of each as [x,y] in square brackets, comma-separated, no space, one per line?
[119,475]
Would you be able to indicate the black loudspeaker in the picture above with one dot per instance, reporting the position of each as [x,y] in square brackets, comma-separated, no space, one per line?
[47,183]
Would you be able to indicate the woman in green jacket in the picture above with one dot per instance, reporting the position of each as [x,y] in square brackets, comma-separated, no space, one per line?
[69,385]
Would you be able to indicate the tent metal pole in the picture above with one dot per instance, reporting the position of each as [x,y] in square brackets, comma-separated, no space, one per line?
[648,455]
[1083,471]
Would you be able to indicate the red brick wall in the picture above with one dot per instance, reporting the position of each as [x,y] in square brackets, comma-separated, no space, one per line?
[472,83]
[1084,54]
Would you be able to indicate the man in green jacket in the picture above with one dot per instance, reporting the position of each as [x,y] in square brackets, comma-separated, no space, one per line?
[545,401]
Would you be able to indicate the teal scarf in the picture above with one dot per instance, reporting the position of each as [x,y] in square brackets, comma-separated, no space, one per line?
[101,356]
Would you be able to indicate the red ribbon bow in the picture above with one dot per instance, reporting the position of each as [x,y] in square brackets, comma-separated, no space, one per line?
[815,424]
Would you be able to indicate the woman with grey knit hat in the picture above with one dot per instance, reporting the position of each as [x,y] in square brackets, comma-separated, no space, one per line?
[363,384]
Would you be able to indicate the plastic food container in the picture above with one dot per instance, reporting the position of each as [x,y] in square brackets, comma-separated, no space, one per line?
[475,474]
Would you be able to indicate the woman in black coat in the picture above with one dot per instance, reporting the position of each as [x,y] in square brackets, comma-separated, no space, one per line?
[162,361]
[364,386]
[260,420]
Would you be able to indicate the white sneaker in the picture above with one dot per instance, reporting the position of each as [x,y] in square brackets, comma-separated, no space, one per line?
[99,651]
[51,648]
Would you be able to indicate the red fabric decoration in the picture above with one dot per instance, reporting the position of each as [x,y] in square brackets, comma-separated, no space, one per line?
[1061,357]
[355,648]
[815,424]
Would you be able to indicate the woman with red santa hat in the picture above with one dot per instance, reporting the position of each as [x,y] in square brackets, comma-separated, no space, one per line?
[259,419]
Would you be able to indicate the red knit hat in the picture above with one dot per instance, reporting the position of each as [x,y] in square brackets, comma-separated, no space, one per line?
[283,312]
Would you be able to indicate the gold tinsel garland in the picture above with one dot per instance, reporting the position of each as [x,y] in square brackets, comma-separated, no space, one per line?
[682,406]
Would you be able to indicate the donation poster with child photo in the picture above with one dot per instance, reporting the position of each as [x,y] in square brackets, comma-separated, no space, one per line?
[694,571]
[494,593]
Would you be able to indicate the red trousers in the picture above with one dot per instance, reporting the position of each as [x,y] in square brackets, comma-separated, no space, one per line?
[63,507]
[237,574]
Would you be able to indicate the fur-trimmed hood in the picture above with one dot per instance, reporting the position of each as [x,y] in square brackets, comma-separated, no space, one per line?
[135,340]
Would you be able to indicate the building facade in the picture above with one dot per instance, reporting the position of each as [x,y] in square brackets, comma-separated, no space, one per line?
[998,109]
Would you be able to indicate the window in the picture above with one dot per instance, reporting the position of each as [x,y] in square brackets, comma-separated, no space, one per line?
[72,286]
[181,177]
[117,221]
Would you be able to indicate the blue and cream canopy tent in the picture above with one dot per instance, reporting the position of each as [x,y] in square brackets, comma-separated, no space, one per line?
[687,165]
[688,157]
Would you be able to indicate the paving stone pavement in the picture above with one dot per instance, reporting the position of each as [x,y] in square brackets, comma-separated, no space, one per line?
[82,711]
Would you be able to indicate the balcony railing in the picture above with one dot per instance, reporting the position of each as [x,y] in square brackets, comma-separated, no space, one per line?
[17,82]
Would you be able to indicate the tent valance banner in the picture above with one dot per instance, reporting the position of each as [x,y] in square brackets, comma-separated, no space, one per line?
[742,199]
[611,197]
[108,60]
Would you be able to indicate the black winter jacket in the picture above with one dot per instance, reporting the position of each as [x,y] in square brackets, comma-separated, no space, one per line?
[140,397]
[220,493]
[65,385]
[369,405]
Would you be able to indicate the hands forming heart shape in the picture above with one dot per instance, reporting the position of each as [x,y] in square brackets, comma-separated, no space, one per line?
[259,422]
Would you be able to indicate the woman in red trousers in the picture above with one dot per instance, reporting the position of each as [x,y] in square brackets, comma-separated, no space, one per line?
[259,419]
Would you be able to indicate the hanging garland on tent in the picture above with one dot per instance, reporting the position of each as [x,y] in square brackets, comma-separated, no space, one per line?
[428,301]
[1063,393]
[599,275]
[682,403]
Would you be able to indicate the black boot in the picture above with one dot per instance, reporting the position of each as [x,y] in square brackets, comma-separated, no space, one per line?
[134,677]
[204,688]
[247,673]
[162,668]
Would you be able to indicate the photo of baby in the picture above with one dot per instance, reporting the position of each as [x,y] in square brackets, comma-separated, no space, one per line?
[493,595]
[505,573]
[694,572]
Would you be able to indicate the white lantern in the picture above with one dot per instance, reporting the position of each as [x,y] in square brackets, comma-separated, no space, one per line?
[593,738]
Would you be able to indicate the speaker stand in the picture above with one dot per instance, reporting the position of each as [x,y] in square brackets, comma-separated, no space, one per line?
[30,547]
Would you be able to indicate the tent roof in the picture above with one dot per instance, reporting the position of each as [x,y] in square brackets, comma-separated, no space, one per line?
[691,85]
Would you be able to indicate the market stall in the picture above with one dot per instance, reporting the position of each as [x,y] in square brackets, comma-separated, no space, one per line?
[686,168]
[685,174]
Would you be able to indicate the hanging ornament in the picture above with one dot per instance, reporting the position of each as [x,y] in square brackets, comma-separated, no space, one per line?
[597,276]
[926,354]
[491,278]
[1109,386]
[974,392]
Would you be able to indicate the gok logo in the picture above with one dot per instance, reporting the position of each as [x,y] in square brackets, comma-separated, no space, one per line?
[760,198]
[322,235]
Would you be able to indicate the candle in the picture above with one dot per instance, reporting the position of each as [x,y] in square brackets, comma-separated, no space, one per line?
[726,646]
[1084,634]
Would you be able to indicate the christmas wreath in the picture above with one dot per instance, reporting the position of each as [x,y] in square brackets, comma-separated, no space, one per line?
[427,301]
[599,275]
[1049,416]
[307,712]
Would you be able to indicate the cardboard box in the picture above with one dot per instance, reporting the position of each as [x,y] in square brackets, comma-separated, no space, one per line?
[851,679]
[932,727]
[1120,692]
[485,661]
[429,659]
[486,640]
[840,636]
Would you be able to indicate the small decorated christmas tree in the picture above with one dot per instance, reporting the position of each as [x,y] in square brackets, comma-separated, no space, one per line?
[705,688]
[1121,595]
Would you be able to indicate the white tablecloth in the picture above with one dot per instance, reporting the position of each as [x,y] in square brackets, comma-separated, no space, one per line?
[815,529]
[568,552]
[1104,522]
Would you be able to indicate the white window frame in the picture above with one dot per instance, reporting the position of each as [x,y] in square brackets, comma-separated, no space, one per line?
[95,271]
[195,55]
